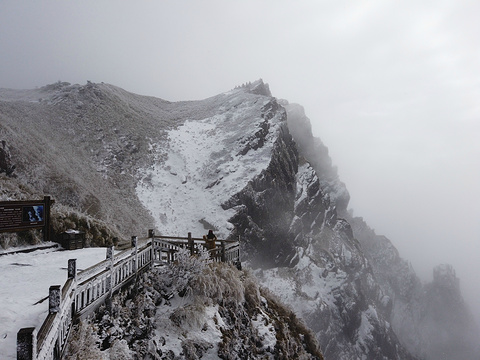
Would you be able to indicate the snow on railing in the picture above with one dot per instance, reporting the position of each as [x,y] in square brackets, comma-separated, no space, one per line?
[84,292]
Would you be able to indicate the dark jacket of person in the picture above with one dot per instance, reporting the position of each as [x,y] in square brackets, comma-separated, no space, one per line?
[211,240]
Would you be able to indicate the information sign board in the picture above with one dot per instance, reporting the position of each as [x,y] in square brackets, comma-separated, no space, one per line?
[25,215]
[21,215]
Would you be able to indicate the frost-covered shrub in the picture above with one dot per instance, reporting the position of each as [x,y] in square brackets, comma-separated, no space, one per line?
[252,290]
[194,349]
[220,283]
[97,232]
[82,344]
[28,237]
[120,351]
[189,316]
[186,269]
[8,240]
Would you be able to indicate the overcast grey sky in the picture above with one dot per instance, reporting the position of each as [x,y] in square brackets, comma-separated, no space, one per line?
[391,87]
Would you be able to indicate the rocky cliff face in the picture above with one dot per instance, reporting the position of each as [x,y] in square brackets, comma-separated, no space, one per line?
[315,263]
[349,284]
[266,203]
[246,165]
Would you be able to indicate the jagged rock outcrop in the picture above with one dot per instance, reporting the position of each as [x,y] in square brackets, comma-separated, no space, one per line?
[316,154]
[6,165]
[329,281]
[447,327]
[267,203]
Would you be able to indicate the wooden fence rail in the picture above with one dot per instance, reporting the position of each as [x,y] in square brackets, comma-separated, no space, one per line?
[85,291]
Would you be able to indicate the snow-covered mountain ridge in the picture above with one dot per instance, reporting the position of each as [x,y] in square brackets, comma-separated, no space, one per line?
[208,160]
[247,165]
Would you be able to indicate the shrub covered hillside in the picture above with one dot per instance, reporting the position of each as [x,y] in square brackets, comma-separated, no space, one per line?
[192,310]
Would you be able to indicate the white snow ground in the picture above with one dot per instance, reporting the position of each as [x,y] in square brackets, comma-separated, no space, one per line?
[26,279]
[204,167]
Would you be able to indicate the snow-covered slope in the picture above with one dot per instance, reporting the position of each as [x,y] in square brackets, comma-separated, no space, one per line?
[247,165]
[202,162]
[26,278]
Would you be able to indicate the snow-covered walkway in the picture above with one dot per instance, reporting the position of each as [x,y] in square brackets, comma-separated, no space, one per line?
[24,286]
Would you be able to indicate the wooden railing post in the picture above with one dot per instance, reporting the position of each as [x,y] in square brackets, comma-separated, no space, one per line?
[27,344]
[109,281]
[72,274]
[109,252]
[151,235]
[72,269]
[46,229]
[190,243]
[135,255]
[222,244]
[54,298]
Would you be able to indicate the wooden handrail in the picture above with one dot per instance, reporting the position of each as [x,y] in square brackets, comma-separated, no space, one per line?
[193,238]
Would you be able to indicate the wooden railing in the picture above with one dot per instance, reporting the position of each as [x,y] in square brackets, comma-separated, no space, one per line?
[166,247]
[84,292]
